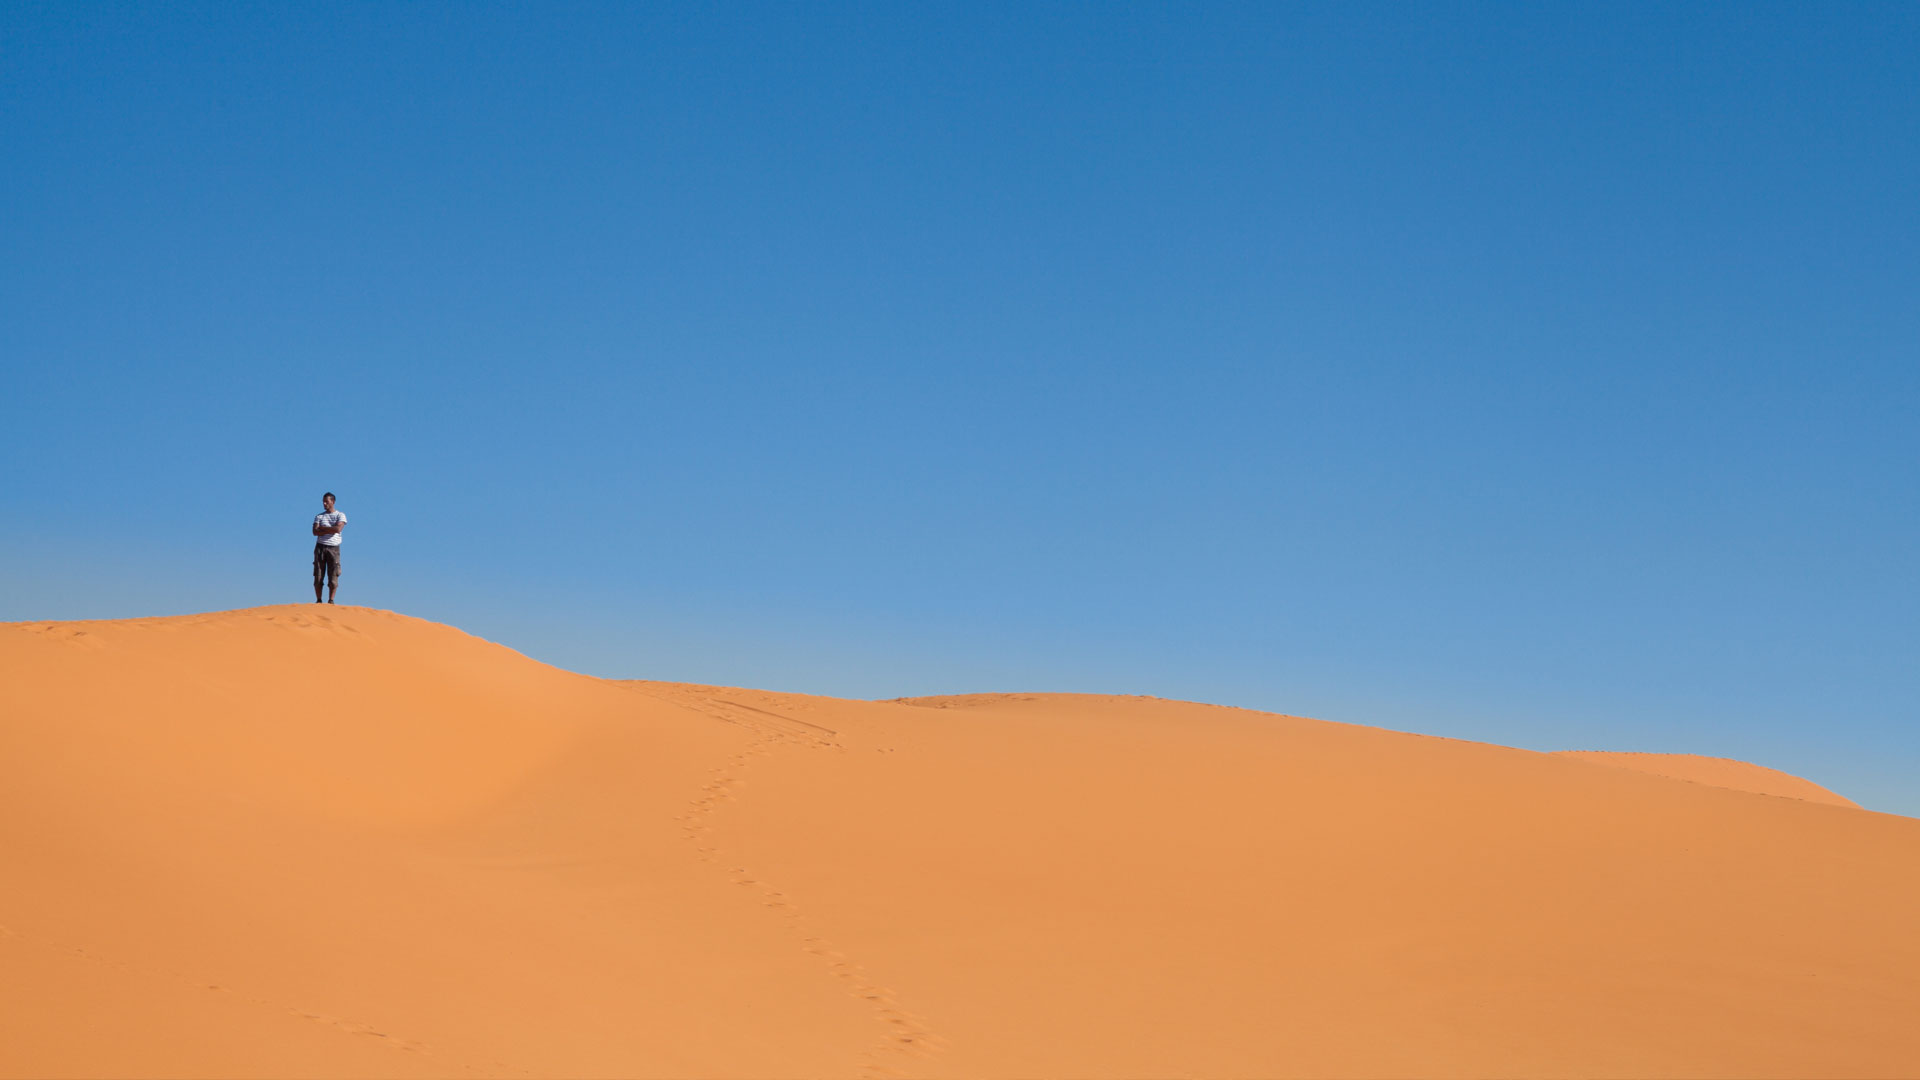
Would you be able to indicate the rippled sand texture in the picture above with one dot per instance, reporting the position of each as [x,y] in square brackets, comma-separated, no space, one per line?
[306,841]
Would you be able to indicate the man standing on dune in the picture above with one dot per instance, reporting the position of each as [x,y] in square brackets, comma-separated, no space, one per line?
[326,550]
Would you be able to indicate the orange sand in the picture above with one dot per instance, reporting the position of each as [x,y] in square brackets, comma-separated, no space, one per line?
[1720,772]
[302,841]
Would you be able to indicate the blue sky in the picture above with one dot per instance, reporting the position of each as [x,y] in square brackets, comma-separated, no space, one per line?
[1542,375]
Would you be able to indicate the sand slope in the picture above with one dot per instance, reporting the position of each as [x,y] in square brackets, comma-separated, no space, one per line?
[335,841]
[1719,772]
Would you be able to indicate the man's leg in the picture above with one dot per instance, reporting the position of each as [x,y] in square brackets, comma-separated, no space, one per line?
[333,572]
[317,567]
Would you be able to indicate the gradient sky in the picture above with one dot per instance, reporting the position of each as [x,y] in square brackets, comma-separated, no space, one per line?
[1539,374]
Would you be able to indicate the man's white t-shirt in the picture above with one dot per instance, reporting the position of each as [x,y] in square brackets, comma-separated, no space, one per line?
[326,521]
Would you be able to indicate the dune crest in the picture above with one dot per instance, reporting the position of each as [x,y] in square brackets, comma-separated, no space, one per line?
[1718,772]
[319,841]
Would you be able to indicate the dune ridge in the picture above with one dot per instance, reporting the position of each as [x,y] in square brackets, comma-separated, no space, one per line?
[1716,771]
[319,841]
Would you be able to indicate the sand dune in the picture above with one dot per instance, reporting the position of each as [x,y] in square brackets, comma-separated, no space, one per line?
[302,841]
[1719,772]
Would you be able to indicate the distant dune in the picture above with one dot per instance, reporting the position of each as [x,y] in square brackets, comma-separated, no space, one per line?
[1720,772]
[306,841]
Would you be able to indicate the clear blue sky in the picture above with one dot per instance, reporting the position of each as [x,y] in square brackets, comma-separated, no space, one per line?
[1537,374]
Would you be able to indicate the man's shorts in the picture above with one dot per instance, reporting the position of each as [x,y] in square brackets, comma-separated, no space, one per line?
[326,564]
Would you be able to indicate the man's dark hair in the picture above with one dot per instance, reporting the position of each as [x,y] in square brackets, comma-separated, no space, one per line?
[328,495]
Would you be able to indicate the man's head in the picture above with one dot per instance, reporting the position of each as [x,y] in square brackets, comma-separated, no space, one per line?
[327,501]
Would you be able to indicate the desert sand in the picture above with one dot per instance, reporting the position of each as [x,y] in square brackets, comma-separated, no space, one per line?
[320,841]
[1720,772]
